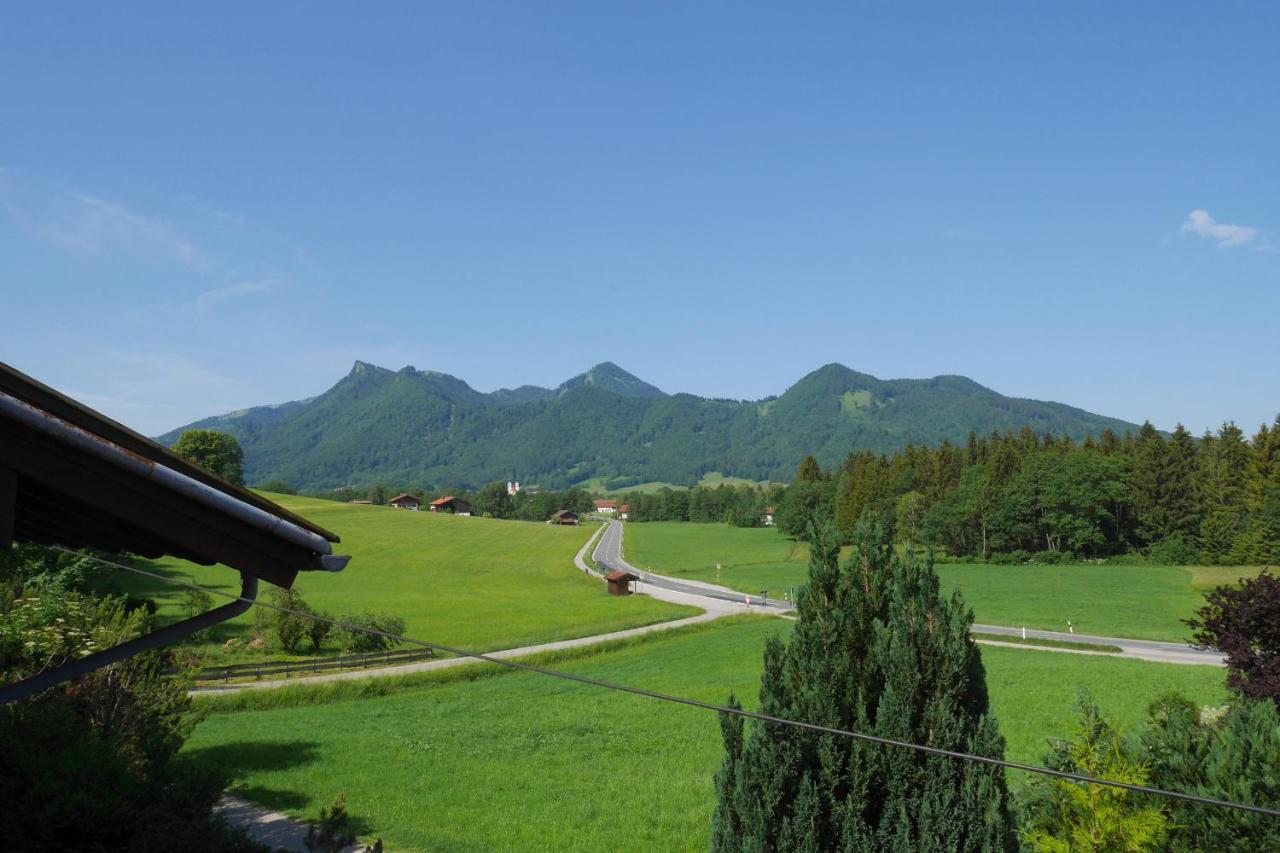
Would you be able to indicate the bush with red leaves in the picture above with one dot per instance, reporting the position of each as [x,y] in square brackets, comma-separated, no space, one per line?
[1244,624]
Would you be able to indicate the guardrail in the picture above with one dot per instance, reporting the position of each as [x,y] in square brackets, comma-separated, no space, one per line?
[312,666]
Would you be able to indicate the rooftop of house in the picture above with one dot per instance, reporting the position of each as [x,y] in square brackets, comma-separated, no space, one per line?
[78,479]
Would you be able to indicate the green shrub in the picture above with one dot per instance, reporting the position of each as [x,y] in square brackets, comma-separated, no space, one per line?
[1061,816]
[1173,551]
[290,628]
[363,642]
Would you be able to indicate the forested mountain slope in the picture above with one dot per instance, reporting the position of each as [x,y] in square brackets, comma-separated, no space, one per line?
[431,429]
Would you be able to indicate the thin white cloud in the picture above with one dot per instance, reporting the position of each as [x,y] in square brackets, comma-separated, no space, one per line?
[86,223]
[1201,224]
[210,298]
[152,391]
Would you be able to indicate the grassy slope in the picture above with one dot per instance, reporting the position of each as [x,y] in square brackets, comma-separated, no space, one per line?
[520,761]
[1142,602]
[477,583]
[711,479]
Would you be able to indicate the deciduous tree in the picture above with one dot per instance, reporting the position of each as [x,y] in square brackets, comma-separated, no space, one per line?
[1244,624]
[216,452]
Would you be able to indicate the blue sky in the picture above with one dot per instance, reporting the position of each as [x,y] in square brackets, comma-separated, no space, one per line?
[220,205]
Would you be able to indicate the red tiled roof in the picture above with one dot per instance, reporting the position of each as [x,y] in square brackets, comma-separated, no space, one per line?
[610,504]
[404,497]
[447,499]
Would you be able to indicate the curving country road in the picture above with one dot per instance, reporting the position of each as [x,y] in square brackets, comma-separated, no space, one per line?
[608,553]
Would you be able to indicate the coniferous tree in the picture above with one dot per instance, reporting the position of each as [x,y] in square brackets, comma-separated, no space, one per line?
[1108,442]
[1181,492]
[1227,463]
[1147,484]
[876,649]
[1265,473]
[1227,757]
[1225,466]
[809,471]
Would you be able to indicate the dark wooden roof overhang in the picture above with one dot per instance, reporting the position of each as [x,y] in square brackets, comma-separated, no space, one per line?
[70,476]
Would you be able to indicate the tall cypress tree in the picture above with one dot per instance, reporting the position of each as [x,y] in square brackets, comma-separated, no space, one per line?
[875,649]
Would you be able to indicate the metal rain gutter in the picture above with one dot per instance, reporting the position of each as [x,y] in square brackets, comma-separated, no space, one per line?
[95,445]
[115,654]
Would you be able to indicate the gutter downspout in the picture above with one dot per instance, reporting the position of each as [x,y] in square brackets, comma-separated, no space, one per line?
[163,636]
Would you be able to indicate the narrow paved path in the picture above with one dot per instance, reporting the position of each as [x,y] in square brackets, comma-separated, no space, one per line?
[447,663]
[711,610]
[608,553]
[277,831]
[1153,650]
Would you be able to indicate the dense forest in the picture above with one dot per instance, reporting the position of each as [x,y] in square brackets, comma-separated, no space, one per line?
[1017,496]
[606,425]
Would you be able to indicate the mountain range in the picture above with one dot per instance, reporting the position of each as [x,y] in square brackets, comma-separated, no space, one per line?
[422,428]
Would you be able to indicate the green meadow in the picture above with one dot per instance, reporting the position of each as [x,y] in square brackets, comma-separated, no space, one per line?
[479,584]
[509,760]
[1141,602]
[711,479]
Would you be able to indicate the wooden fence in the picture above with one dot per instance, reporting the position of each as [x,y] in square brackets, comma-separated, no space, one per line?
[308,667]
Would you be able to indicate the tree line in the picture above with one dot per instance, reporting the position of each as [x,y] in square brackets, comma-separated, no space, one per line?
[489,501]
[1176,498]
[742,505]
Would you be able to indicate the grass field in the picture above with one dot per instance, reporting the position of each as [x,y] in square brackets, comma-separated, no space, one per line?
[520,761]
[1141,602]
[476,583]
[710,479]
[752,559]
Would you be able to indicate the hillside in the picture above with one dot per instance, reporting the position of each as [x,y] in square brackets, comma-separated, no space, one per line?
[426,428]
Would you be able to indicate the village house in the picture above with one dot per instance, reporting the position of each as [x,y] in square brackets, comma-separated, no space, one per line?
[606,507]
[623,511]
[768,516]
[449,503]
[405,501]
[563,516]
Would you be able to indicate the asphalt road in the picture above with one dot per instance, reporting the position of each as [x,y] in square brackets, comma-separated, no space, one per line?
[608,553]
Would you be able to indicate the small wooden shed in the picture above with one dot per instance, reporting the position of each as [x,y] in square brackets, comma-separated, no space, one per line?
[563,516]
[620,582]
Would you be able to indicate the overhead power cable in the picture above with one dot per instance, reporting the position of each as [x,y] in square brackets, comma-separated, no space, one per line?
[710,706]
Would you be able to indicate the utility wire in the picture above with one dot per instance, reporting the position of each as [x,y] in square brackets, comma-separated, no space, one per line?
[709,706]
